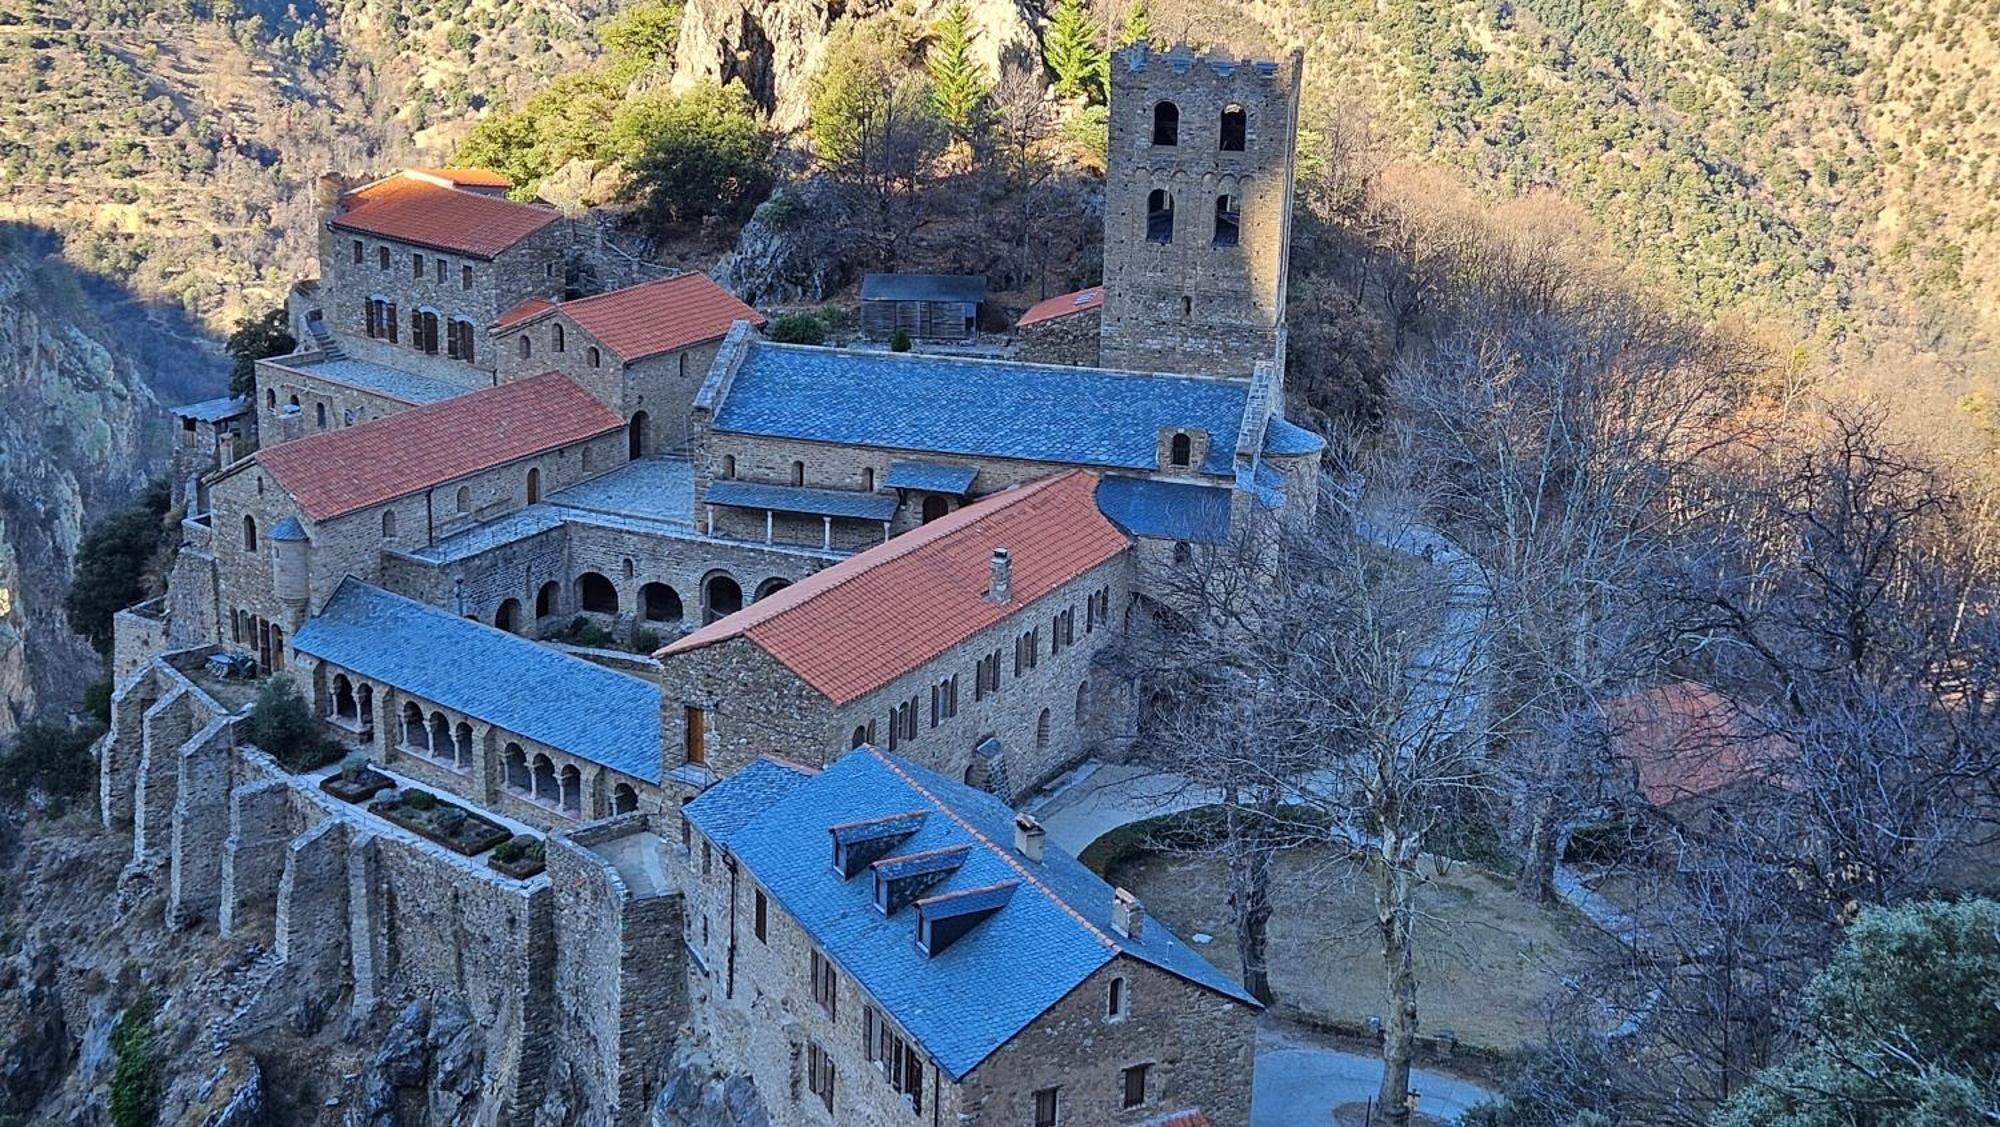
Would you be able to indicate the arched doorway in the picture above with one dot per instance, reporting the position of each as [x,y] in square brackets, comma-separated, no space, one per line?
[624,799]
[636,437]
[508,617]
[545,599]
[660,603]
[936,505]
[596,594]
[722,596]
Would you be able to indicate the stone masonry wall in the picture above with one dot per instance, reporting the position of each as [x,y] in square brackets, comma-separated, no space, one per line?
[1072,339]
[1200,1046]
[662,386]
[1194,304]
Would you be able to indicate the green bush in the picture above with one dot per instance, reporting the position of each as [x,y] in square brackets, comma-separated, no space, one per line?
[798,328]
[584,632]
[97,700]
[255,338]
[696,154]
[113,564]
[282,725]
[419,799]
[51,758]
[135,1074]
[900,342]
[645,641]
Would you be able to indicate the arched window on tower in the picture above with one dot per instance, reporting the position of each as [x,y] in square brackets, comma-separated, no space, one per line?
[1160,216]
[1228,220]
[249,534]
[1166,124]
[1180,451]
[1234,128]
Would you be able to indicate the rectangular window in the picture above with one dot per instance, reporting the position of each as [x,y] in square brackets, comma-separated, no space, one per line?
[440,270]
[357,252]
[1135,1085]
[761,918]
[819,1073]
[382,258]
[417,267]
[465,277]
[825,984]
[707,858]
[1048,1105]
[389,318]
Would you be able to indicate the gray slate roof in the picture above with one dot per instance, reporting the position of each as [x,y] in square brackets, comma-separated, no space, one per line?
[994,408]
[967,1001]
[589,711]
[923,287]
[215,410]
[1169,510]
[380,379]
[797,499]
[931,477]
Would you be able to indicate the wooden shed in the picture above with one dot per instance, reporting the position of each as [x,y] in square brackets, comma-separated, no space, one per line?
[925,306]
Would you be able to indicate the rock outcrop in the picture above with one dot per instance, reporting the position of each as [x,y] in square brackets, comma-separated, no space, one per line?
[774,46]
[81,431]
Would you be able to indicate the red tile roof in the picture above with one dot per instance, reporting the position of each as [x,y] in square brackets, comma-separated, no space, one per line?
[875,616]
[413,210]
[1685,740]
[649,318]
[339,472]
[467,177]
[1062,305]
[527,310]
[1192,1117]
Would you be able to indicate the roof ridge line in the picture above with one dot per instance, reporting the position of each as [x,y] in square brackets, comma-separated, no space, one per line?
[1005,856]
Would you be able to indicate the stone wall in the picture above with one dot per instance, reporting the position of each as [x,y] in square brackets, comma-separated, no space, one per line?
[751,705]
[1199,1044]
[1070,339]
[138,634]
[1196,303]
[320,397]
[662,386]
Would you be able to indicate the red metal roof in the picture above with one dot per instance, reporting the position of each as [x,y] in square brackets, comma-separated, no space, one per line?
[1062,305]
[875,616]
[467,177]
[1685,740]
[341,471]
[413,210]
[649,318]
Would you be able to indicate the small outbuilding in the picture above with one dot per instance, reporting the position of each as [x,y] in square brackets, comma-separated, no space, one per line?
[923,306]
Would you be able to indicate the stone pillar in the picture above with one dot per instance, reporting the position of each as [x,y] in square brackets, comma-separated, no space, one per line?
[167,726]
[261,827]
[367,938]
[311,931]
[201,824]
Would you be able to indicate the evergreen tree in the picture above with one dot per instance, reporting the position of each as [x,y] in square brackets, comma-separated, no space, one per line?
[1138,27]
[959,84]
[112,564]
[254,339]
[1073,53]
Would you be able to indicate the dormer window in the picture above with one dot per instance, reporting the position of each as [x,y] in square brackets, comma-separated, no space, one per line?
[901,881]
[857,845]
[944,920]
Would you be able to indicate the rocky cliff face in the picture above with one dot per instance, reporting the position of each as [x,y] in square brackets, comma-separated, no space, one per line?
[81,428]
[774,46]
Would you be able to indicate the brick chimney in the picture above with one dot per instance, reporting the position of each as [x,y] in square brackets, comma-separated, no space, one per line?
[1029,837]
[1128,916]
[1000,587]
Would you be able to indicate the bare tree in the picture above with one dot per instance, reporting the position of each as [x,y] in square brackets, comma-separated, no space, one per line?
[1297,674]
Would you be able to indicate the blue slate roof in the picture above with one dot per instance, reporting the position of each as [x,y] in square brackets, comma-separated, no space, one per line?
[991,408]
[722,811]
[1052,932]
[528,689]
[215,410]
[1170,510]
[931,477]
[654,488]
[288,529]
[394,383]
[923,287]
[794,499]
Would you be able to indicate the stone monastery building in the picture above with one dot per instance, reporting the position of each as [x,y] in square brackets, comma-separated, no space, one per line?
[760,644]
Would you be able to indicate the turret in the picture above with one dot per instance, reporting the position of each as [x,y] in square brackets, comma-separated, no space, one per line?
[290,565]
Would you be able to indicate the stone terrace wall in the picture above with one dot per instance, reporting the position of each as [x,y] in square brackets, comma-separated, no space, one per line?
[1070,339]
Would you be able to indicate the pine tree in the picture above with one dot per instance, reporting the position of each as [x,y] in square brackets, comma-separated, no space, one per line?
[1138,27]
[1073,53]
[959,84]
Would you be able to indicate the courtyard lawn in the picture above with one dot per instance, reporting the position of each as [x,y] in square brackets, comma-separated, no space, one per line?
[1487,959]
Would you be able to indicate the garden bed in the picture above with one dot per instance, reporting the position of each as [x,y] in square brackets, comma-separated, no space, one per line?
[446,823]
[356,786]
[519,857]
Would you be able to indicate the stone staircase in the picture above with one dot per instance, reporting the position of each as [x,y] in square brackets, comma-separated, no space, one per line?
[324,340]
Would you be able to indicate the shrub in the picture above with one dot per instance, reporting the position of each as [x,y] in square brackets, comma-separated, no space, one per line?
[135,1075]
[255,338]
[645,641]
[697,154]
[112,564]
[282,725]
[50,758]
[584,632]
[900,342]
[97,700]
[419,799]
[798,328]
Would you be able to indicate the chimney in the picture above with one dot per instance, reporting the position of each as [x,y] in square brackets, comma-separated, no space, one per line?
[1128,916]
[328,191]
[1000,588]
[1029,837]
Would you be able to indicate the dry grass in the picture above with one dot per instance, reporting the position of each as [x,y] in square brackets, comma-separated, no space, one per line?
[1487,959]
